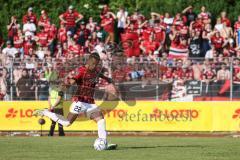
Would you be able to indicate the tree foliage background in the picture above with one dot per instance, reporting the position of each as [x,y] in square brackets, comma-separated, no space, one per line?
[56,7]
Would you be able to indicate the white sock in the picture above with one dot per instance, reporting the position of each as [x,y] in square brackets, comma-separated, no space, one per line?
[56,118]
[102,133]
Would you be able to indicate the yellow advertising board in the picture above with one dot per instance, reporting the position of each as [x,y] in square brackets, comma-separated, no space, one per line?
[142,116]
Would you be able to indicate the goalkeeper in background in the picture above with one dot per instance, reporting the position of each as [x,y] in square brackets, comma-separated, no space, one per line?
[55,101]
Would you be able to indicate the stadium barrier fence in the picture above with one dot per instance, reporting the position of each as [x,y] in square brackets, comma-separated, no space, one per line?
[138,81]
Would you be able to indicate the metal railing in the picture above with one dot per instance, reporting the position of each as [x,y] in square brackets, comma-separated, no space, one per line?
[163,79]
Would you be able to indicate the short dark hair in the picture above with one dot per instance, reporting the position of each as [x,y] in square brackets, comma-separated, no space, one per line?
[25,69]
[95,55]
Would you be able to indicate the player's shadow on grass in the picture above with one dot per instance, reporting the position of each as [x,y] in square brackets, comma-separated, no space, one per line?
[177,146]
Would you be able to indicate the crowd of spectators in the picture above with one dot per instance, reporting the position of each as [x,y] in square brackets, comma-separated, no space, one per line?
[185,46]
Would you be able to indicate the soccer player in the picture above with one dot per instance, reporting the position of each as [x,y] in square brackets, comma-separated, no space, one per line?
[86,79]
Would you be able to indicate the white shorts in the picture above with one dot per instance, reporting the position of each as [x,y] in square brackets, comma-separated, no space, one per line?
[81,107]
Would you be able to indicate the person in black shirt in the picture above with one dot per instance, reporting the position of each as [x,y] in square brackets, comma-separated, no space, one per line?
[190,15]
[195,44]
[42,87]
[25,86]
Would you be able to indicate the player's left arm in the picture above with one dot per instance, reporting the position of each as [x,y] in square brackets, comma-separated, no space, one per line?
[111,88]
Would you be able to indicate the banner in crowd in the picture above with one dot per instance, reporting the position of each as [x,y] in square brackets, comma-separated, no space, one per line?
[131,116]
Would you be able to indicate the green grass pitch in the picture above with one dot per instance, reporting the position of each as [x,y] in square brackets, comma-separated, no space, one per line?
[130,148]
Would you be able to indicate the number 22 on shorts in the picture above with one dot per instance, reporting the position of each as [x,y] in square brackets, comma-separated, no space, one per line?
[77,108]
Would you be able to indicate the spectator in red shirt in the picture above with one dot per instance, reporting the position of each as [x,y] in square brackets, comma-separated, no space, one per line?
[160,32]
[206,16]
[30,15]
[44,21]
[62,34]
[217,41]
[225,19]
[18,41]
[197,24]
[178,21]
[42,37]
[146,33]
[13,28]
[104,11]
[29,43]
[70,18]
[108,24]
[150,48]
[74,48]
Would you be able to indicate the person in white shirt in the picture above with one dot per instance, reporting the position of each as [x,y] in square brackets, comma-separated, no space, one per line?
[10,50]
[168,21]
[29,28]
[122,18]
[210,53]
[218,25]
[99,48]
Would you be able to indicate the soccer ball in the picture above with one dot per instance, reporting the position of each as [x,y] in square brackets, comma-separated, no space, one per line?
[100,144]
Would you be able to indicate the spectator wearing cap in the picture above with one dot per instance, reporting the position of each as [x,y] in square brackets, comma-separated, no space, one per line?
[10,50]
[70,18]
[108,24]
[13,28]
[30,16]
